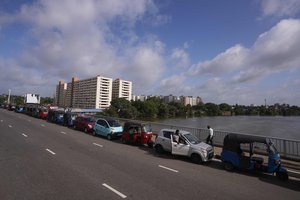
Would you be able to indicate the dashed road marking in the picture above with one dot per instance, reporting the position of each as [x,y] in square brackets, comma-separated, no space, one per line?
[9,126]
[173,170]
[1,120]
[99,145]
[114,190]
[43,125]
[63,132]
[24,135]
[50,151]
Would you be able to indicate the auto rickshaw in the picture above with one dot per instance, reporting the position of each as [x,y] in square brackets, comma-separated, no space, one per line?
[239,152]
[137,133]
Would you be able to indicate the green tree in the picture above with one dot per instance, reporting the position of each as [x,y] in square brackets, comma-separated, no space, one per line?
[212,109]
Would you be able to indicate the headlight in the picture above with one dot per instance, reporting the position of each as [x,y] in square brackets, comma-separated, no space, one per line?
[277,162]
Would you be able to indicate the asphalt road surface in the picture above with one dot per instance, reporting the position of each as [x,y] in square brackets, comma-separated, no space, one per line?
[41,160]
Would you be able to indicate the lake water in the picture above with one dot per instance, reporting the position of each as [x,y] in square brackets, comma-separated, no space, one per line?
[282,127]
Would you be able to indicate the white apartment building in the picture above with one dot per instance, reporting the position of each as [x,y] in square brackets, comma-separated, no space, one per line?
[122,89]
[92,93]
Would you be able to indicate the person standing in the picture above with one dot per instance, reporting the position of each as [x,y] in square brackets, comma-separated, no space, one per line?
[209,139]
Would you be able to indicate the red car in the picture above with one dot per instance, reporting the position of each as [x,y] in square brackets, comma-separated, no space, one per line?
[137,133]
[84,123]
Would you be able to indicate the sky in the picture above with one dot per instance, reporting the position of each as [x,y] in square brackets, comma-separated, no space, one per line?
[234,51]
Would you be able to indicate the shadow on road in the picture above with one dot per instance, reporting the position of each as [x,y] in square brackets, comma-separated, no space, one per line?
[292,183]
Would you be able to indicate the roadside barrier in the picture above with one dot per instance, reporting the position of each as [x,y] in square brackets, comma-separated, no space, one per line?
[288,149]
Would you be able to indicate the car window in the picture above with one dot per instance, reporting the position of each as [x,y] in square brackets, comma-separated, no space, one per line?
[191,138]
[90,119]
[167,134]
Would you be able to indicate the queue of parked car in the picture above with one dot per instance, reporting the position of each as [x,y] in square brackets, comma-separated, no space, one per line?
[233,156]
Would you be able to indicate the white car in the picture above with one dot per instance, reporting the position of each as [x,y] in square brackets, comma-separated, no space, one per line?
[188,145]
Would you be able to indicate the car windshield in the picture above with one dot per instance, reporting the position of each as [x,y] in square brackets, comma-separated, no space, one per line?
[113,123]
[146,129]
[191,138]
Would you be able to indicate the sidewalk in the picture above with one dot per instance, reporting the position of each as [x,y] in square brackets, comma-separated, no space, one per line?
[293,167]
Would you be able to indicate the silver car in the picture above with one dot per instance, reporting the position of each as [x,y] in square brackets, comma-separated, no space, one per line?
[188,145]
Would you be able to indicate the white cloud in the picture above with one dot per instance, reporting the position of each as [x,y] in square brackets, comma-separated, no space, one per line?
[232,59]
[85,39]
[280,8]
[180,58]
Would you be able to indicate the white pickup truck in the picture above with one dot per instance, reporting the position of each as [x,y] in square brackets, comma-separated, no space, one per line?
[188,145]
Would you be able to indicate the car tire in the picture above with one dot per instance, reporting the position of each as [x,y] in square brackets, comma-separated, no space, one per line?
[109,136]
[228,166]
[159,149]
[283,176]
[94,133]
[196,158]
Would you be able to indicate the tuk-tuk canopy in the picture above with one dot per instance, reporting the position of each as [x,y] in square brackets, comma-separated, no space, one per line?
[232,141]
[129,125]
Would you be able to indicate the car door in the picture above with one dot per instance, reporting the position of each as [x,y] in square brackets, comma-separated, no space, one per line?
[181,148]
[166,140]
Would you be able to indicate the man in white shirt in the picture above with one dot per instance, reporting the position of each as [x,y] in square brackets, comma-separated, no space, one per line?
[209,139]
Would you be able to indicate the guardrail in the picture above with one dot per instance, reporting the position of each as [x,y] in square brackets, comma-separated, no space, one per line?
[288,149]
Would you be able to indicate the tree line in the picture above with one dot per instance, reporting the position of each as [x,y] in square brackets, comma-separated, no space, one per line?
[155,108]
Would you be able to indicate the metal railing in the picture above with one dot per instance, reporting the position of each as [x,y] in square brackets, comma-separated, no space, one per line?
[288,149]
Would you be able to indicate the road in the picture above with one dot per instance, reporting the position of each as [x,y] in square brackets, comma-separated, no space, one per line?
[42,160]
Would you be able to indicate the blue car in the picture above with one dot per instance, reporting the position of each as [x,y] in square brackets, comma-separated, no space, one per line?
[234,156]
[108,127]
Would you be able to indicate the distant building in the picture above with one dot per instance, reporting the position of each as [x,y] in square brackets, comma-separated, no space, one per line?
[122,89]
[32,99]
[61,90]
[96,92]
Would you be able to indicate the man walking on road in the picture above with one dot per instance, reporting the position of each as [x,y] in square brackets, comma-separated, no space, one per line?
[209,139]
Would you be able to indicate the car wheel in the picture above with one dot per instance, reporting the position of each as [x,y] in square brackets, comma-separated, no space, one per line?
[283,176]
[109,136]
[159,148]
[94,133]
[123,140]
[228,166]
[196,158]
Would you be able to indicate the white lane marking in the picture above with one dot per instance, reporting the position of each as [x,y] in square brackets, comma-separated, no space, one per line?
[9,126]
[173,170]
[43,125]
[24,135]
[114,190]
[99,145]
[50,151]
[1,120]
[63,132]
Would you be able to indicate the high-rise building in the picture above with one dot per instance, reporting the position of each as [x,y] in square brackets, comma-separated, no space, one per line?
[94,92]
[122,89]
[61,90]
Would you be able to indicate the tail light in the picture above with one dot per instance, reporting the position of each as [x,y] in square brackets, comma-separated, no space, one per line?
[90,126]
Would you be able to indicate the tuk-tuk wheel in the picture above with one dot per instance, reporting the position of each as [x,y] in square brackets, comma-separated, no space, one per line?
[85,130]
[283,176]
[123,140]
[150,145]
[228,166]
